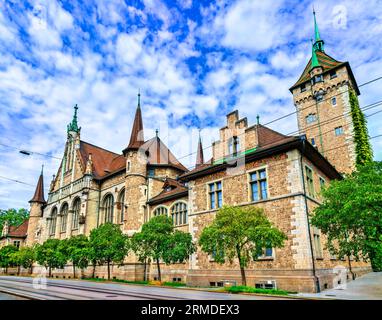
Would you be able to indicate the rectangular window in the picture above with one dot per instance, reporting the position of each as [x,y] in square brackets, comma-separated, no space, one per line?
[215,195]
[233,146]
[334,101]
[258,185]
[310,118]
[151,172]
[339,131]
[309,181]
[16,244]
[333,74]
[317,244]
[303,87]
[322,182]
[313,142]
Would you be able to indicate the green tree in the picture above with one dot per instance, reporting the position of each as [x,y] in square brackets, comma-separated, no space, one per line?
[240,233]
[158,240]
[351,215]
[364,151]
[51,254]
[13,216]
[77,250]
[24,257]
[109,245]
[6,256]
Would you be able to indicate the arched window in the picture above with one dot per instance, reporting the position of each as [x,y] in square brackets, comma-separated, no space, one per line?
[53,222]
[64,216]
[76,213]
[108,208]
[160,211]
[179,213]
[121,201]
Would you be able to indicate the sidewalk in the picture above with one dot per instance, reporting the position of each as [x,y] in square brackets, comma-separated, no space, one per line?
[367,287]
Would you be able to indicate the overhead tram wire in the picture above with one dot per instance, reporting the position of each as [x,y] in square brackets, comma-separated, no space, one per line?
[28,152]
[367,107]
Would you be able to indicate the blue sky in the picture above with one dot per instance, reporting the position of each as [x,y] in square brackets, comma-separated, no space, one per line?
[194,61]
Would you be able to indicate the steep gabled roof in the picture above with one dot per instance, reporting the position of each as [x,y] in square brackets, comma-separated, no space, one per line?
[172,189]
[104,161]
[326,62]
[19,231]
[158,154]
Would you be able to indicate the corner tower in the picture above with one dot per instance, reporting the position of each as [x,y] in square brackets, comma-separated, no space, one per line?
[136,172]
[322,100]
[37,204]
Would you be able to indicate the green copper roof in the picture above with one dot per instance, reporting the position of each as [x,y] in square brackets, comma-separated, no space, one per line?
[315,62]
[73,126]
[318,43]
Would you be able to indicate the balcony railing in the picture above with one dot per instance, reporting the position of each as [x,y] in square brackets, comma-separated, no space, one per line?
[63,192]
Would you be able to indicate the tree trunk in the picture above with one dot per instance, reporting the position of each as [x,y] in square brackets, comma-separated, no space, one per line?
[94,268]
[144,270]
[350,269]
[6,270]
[159,275]
[242,271]
[108,270]
[50,272]
[18,270]
[31,269]
[74,271]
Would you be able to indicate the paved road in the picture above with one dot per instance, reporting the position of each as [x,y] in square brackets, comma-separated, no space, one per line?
[55,289]
[367,287]
[4,296]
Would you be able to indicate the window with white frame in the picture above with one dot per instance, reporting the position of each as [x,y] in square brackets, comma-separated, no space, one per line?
[108,208]
[121,202]
[258,185]
[64,216]
[53,222]
[179,213]
[215,195]
[76,213]
[160,211]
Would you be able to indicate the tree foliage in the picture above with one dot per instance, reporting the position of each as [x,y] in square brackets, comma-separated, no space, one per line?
[24,257]
[51,254]
[158,240]
[6,256]
[77,251]
[240,233]
[13,216]
[351,215]
[108,245]
[364,152]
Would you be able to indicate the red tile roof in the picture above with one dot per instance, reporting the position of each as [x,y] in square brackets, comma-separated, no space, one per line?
[171,189]
[19,231]
[104,161]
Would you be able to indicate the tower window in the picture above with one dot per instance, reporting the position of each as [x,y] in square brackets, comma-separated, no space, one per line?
[334,101]
[318,78]
[310,118]
[303,87]
[333,74]
[233,146]
[151,172]
[339,131]
[313,142]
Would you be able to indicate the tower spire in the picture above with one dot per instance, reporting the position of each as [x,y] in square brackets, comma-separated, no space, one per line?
[73,126]
[318,43]
[315,62]
[136,138]
[199,153]
[39,192]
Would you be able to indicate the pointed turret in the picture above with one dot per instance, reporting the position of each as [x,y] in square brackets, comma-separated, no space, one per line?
[315,62]
[39,193]
[73,126]
[136,138]
[199,153]
[318,43]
